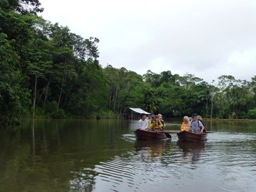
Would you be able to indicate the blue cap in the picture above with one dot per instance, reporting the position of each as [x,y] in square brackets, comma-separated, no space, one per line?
[194,114]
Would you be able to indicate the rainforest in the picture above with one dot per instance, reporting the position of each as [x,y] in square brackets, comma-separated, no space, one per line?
[48,71]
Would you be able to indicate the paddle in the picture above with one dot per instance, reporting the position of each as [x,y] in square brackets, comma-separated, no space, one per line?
[167,135]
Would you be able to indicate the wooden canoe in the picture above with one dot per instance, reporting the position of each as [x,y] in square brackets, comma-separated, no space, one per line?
[185,136]
[150,135]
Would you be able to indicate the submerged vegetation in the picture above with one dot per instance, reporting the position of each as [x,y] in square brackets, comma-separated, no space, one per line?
[46,70]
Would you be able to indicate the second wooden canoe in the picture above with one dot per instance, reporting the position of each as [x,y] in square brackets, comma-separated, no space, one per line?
[185,136]
[151,135]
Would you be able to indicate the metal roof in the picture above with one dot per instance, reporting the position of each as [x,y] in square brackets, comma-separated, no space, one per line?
[139,110]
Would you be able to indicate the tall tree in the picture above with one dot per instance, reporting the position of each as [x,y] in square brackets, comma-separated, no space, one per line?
[22,6]
[13,97]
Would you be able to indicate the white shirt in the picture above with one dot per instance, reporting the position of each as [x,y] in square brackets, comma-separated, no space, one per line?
[143,124]
[196,126]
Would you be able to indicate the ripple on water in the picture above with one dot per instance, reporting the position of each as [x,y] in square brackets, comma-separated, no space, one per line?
[230,137]
[226,162]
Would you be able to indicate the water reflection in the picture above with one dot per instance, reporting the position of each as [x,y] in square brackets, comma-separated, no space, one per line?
[191,151]
[151,150]
[104,156]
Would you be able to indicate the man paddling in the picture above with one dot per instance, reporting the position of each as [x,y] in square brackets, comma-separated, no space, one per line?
[196,125]
[156,124]
[143,122]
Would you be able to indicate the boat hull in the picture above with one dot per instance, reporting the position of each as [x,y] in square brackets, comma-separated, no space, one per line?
[150,135]
[185,136]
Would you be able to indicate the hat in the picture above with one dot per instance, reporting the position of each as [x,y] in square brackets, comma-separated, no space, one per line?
[186,118]
[193,115]
[153,116]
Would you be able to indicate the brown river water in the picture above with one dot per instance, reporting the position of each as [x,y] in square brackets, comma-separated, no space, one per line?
[103,155]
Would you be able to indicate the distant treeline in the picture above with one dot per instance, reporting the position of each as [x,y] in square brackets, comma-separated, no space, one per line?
[46,70]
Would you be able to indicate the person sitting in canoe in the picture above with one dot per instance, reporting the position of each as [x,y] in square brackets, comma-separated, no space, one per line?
[185,126]
[196,125]
[149,118]
[143,122]
[160,117]
[156,124]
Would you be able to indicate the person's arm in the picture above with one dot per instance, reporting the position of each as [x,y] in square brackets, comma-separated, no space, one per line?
[201,126]
[191,128]
[160,125]
[202,129]
[151,125]
[140,124]
[146,123]
[182,127]
[163,123]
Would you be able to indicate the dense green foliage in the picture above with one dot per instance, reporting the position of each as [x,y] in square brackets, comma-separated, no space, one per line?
[48,70]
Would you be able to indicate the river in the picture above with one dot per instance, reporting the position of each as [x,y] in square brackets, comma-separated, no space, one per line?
[103,155]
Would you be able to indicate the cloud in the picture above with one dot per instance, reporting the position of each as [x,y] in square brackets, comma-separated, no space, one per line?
[206,38]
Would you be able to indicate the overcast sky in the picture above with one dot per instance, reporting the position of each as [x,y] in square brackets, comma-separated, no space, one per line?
[207,38]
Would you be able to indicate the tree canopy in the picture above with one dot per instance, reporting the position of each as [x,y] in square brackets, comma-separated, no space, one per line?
[48,70]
